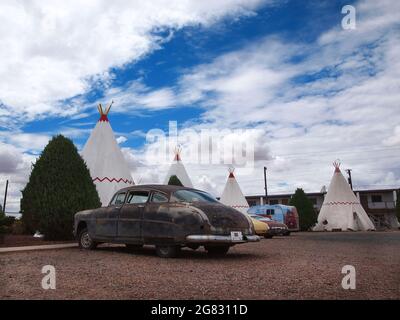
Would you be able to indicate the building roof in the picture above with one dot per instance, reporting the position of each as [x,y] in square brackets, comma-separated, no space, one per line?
[288,195]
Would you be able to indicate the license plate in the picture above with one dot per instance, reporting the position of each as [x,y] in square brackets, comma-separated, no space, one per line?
[236,235]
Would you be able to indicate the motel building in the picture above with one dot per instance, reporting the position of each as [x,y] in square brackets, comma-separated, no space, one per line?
[380,205]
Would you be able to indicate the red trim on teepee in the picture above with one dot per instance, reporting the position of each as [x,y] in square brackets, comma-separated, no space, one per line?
[103,118]
[104,113]
[231,170]
[332,203]
[177,157]
[177,151]
[107,179]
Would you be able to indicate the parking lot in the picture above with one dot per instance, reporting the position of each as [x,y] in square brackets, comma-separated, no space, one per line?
[302,266]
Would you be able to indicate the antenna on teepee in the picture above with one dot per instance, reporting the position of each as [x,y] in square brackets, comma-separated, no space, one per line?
[109,107]
[336,164]
[100,109]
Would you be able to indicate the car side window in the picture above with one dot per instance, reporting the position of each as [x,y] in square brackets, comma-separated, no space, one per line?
[135,197]
[159,198]
[118,199]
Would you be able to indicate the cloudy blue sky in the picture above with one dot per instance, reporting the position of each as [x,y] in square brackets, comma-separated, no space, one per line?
[313,91]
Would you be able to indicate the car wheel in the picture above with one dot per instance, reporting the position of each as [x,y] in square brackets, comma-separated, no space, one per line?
[133,247]
[167,251]
[287,233]
[268,236]
[85,241]
[217,250]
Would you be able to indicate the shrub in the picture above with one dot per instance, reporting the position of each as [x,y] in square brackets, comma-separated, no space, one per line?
[307,214]
[58,187]
[3,230]
[174,181]
[18,227]
[7,221]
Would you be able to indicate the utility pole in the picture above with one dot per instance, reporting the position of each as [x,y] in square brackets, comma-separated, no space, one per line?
[349,179]
[5,198]
[265,185]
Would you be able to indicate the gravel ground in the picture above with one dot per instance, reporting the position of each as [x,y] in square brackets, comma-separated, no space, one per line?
[11,240]
[302,266]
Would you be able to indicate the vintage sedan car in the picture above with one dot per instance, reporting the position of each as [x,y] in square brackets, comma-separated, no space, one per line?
[169,217]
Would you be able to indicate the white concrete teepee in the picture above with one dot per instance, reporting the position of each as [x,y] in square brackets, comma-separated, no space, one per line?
[104,159]
[178,169]
[341,209]
[232,195]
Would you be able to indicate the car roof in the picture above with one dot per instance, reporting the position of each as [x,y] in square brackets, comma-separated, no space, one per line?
[160,187]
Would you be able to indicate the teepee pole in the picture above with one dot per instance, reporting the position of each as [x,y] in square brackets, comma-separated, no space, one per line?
[108,108]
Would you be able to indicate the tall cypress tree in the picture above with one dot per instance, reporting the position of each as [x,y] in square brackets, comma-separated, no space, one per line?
[59,186]
[174,181]
[307,215]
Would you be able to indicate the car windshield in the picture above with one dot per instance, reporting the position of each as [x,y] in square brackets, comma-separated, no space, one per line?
[193,196]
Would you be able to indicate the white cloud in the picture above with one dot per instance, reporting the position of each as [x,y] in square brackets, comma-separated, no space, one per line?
[10,158]
[14,166]
[350,110]
[25,142]
[393,140]
[121,139]
[136,95]
[54,50]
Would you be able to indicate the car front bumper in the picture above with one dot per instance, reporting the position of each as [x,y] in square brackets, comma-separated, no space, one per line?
[209,238]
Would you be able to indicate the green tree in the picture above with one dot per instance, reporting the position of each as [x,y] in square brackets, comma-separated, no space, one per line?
[307,214]
[174,181]
[58,187]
